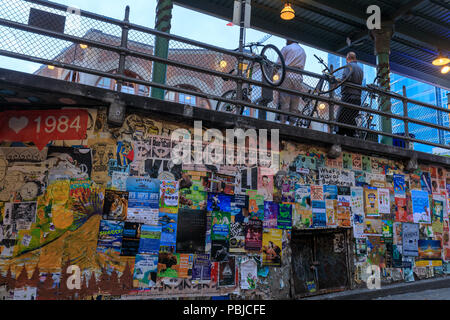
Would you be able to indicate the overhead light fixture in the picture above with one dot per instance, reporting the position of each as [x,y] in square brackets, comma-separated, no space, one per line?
[322,106]
[445,69]
[83,46]
[276,77]
[287,13]
[441,60]
[51,67]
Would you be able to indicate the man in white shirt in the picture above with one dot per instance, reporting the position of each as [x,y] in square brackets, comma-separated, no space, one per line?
[294,56]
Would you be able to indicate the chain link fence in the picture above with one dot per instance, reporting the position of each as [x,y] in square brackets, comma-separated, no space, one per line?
[79,46]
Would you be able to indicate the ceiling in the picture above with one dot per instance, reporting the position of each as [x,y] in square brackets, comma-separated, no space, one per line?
[421,28]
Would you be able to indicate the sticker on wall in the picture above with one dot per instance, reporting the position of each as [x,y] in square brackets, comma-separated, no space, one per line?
[43,126]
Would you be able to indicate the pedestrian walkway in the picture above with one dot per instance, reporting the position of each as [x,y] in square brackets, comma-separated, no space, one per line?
[390,290]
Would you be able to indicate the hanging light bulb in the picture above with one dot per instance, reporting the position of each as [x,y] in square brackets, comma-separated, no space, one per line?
[441,60]
[223,64]
[287,13]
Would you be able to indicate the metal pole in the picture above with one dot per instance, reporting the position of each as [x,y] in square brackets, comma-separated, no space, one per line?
[240,58]
[331,107]
[123,44]
[382,48]
[162,23]
[405,114]
[439,115]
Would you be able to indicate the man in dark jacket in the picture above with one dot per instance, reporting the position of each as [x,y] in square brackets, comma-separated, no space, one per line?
[350,95]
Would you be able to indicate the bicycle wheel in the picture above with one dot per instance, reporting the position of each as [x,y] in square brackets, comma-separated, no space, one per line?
[337,78]
[270,56]
[225,106]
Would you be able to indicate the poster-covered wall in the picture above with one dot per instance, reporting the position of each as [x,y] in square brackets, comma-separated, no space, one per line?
[111,202]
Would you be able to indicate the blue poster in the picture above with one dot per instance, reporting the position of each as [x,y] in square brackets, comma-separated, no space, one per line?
[150,239]
[399,183]
[330,192]
[142,184]
[270,214]
[425,182]
[420,206]
[110,236]
[319,213]
[143,200]
[219,202]
[168,224]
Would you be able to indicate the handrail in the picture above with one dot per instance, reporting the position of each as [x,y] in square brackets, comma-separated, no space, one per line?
[124,51]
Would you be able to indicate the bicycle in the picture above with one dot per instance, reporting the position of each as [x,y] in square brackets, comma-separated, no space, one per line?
[334,78]
[365,118]
[272,72]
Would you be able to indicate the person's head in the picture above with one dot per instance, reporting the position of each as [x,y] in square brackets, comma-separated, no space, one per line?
[265,180]
[351,57]
[288,42]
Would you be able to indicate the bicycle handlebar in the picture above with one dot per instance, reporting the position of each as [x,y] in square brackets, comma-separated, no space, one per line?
[320,59]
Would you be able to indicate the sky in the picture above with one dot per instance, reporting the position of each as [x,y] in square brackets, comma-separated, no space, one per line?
[186,23]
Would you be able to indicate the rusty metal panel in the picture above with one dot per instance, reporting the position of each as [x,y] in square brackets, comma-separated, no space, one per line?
[331,257]
[302,257]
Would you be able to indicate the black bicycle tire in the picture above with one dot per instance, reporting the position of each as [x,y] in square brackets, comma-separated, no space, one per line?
[219,103]
[342,81]
[269,78]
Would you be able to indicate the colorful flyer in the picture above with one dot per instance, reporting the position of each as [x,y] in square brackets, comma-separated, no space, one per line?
[220,225]
[371,202]
[168,224]
[271,212]
[115,205]
[110,236]
[249,274]
[253,235]
[384,205]
[237,238]
[319,214]
[256,205]
[150,239]
[272,247]
[420,206]
[168,196]
[145,270]
[284,219]
[301,218]
[219,202]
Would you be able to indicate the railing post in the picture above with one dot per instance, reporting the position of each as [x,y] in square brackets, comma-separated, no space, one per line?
[405,114]
[123,44]
[163,23]
[239,95]
[331,108]
[382,39]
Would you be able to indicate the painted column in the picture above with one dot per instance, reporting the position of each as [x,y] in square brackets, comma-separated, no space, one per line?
[382,39]
[162,23]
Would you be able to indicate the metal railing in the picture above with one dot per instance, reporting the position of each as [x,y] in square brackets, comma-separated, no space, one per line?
[119,52]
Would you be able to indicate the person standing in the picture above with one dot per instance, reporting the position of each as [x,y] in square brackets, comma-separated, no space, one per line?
[350,95]
[294,56]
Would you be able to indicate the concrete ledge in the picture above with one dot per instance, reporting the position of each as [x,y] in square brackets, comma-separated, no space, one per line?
[386,290]
[89,96]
